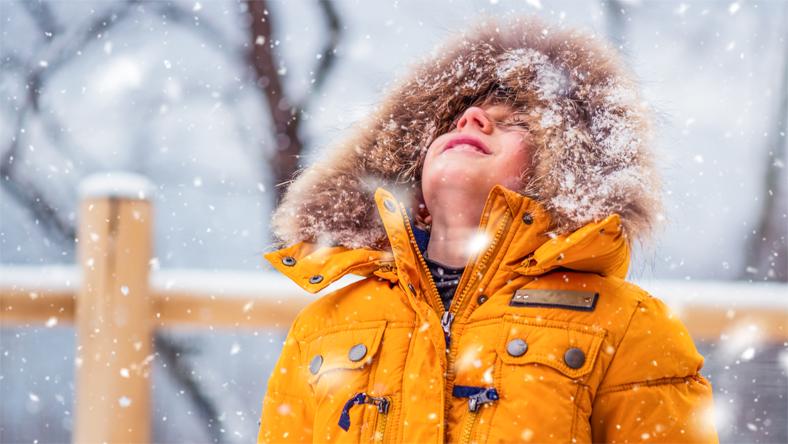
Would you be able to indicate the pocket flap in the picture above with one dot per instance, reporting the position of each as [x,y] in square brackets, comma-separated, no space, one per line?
[568,347]
[343,347]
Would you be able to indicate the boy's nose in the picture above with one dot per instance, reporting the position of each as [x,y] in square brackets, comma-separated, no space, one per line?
[477,117]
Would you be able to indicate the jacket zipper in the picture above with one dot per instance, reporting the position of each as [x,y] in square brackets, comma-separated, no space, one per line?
[433,293]
[380,428]
[475,402]
[459,303]
[447,316]
[467,427]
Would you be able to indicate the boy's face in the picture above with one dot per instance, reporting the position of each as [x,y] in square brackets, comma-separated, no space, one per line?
[487,146]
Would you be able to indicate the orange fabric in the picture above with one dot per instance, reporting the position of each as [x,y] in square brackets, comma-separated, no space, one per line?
[637,378]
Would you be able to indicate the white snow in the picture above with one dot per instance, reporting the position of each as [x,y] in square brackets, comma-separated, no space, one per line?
[118,184]
[718,294]
[211,283]
[259,286]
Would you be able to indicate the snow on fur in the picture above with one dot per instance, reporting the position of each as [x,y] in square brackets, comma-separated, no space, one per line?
[592,135]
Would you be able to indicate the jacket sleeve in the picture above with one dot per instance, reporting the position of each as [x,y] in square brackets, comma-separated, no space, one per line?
[287,405]
[653,389]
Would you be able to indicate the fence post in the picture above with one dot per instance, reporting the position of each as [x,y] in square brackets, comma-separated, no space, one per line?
[114,315]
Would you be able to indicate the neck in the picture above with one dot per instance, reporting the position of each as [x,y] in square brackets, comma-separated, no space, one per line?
[455,220]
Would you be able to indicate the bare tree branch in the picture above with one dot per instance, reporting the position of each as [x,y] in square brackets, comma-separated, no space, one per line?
[26,193]
[172,352]
[328,55]
[57,53]
[767,253]
[617,17]
[210,32]
[285,113]
[43,17]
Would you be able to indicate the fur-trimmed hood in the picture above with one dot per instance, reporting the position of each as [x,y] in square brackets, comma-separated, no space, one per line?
[593,158]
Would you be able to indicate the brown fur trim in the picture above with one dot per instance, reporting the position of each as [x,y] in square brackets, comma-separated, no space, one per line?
[592,129]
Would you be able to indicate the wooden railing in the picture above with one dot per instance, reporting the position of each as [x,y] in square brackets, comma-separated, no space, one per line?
[116,303]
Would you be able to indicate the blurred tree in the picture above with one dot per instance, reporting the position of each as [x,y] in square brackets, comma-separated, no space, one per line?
[286,112]
[767,252]
[58,50]
[64,41]
[616,19]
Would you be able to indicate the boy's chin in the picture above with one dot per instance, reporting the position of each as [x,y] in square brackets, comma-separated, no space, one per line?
[457,178]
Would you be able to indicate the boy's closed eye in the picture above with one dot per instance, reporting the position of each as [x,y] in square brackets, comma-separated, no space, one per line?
[514,122]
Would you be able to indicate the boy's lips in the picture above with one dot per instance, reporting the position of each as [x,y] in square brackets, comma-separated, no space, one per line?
[467,140]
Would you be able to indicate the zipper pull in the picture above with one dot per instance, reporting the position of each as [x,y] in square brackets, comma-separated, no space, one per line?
[381,403]
[485,396]
[344,417]
[446,319]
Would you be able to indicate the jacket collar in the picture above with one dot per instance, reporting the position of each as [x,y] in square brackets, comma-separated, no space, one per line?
[517,226]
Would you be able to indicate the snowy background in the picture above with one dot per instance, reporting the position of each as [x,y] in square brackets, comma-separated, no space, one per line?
[166,90]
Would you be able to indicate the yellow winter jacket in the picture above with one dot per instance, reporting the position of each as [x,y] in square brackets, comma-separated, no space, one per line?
[544,342]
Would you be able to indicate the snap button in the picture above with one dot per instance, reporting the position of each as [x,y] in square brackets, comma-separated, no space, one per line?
[288,261]
[316,279]
[390,205]
[481,299]
[574,358]
[516,347]
[315,364]
[528,218]
[357,352]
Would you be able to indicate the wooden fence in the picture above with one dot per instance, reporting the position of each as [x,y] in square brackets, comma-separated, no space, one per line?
[116,305]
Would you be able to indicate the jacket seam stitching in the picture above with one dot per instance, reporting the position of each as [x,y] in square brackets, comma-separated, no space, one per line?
[574,413]
[673,380]
[361,325]
[618,346]
[400,430]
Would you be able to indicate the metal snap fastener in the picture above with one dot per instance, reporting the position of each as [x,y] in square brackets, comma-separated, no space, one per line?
[516,347]
[316,279]
[357,352]
[390,205]
[528,218]
[288,261]
[574,358]
[481,299]
[315,364]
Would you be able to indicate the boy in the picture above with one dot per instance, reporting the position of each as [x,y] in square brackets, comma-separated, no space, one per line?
[490,205]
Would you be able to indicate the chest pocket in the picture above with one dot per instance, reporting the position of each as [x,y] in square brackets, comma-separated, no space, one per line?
[543,368]
[568,348]
[340,363]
